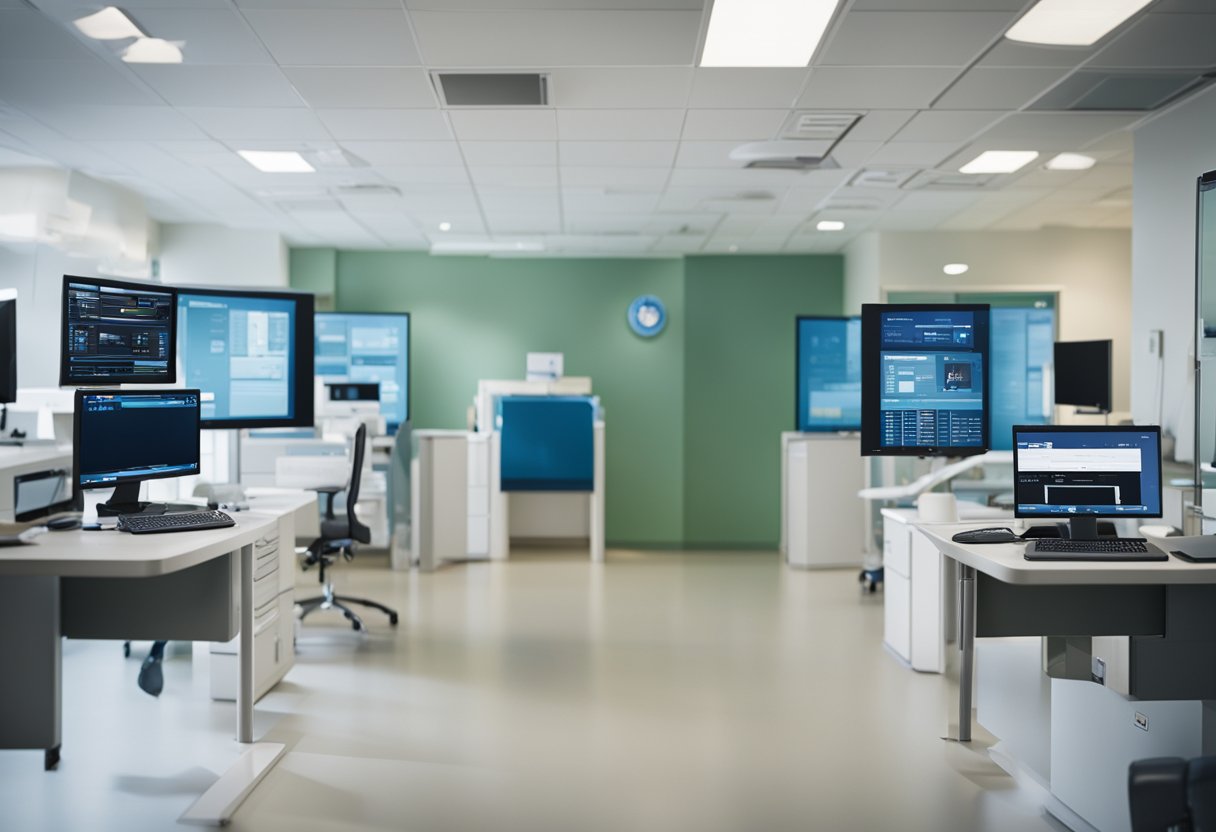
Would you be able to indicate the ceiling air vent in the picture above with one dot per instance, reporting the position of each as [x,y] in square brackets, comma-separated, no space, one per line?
[817,126]
[1096,90]
[473,89]
[870,178]
[936,180]
[366,190]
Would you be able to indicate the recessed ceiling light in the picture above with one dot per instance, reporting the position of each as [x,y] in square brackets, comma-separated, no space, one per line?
[955,268]
[999,161]
[153,51]
[445,226]
[1072,22]
[751,33]
[830,225]
[732,248]
[487,247]
[1070,161]
[110,23]
[277,161]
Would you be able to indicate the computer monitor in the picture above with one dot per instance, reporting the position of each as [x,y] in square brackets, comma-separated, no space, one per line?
[368,347]
[123,437]
[8,346]
[924,379]
[250,353]
[1020,377]
[117,331]
[1083,374]
[1084,472]
[828,363]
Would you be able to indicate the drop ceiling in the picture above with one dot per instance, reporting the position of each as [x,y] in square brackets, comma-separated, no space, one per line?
[631,154]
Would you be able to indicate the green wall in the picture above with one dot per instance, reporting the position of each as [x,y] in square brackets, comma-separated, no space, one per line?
[694,415]
[739,387]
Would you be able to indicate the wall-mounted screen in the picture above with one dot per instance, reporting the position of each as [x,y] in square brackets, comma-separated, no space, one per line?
[1083,374]
[116,331]
[924,384]
[368,348]
[250,355]
[828,362]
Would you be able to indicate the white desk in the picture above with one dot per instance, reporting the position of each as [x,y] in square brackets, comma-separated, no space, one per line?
[65,585]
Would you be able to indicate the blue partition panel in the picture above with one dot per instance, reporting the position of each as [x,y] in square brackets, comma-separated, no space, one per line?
[547,443]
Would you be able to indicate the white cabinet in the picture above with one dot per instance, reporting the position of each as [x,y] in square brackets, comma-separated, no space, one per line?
[897,585]
[918,593]
[823,519]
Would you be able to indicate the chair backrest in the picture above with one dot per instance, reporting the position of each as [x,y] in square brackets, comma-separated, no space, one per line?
[358,531]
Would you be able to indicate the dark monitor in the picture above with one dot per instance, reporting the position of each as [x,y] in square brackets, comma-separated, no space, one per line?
[117,331]
[1083,374]
[8,348]
[368,347]
[123,437]
[924,379]
[1087,471]
[249,352]
[828,362]
[353,392]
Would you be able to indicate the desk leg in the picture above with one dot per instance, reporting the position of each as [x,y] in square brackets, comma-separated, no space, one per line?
[966,643]
[220,802]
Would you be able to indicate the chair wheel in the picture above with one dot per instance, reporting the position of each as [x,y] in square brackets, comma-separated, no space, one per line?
[126,650]
[354,625]
[392,619]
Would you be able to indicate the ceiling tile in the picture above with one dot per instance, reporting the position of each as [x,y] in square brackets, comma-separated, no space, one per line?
[414,125]
[490,5]
[620,87]
[510,176]
[707,155]
[867,88]
[406,154]
[27,35]
[879,125]
[617,154]
[1011,53]
[620,177]
[917,38]
[737,88]
[938,5]
[509,153]
[213,36]
[258,123]
[1052,131]
[119,122]
[1007,88]
[913,154]
[946,125]
[188,85]
[364,87]
[557,38]
[709,125]
[66,83]
[851,154]
[619,125]
[336,37]
[1163,40]
[424,174]
[504,125]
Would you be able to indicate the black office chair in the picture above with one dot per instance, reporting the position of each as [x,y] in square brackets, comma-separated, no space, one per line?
[1169,794]
[339,536]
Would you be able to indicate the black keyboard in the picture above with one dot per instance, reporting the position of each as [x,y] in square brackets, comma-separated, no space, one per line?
[1113,548]
[187,522]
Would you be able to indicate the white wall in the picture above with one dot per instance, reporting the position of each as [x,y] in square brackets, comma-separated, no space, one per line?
[215,255]
[1170,153]
[1089,269]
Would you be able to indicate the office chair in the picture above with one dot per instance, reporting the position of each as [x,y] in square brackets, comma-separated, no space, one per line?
[1169,793]
[340,536]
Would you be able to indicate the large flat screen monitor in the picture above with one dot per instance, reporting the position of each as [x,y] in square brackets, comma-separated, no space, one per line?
[8,346]
[1083,374]
[368,347]
[1022,340]
[828,361]
[924,379]
[249,352]
[116,331]
[1091,471]
[123,437]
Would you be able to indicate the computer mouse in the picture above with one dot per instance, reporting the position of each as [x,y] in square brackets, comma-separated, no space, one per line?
[63,524]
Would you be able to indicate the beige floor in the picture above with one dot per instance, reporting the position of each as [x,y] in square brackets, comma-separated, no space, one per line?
[657,692]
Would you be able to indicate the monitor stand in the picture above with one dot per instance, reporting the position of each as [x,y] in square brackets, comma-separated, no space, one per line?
[1083,528]
[125,500]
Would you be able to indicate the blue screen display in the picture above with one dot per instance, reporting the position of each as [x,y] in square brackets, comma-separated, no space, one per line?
[134,436]
[367,348]
[1021,350]
[829,374]
[932,380]
[547,443]
[1103,472]
[238,350]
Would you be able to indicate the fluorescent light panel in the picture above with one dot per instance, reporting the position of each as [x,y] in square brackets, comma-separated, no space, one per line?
[486,247]
[999,161]
[111,23]
[1070,161]
[1072,22]
[955,268]
[277,161]
[830,225]
[152,51]
[754,33]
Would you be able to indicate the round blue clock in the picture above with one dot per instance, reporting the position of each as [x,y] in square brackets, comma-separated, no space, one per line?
[647,316]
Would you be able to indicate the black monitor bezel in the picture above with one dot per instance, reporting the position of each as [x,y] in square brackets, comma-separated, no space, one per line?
[409,338]
[168,377]
[8,349]
[871,370]
[1087,429]
[798,392]
[305,416]
[1103,406]
[78,488]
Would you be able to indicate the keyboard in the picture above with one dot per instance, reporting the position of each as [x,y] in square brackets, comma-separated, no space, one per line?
[186,522]
[1113,548]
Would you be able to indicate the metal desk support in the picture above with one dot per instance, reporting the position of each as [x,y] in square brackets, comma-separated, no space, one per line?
[966,643]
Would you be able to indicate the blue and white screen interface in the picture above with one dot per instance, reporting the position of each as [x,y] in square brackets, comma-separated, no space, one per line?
[932,380]
[829,374]
[133,436]
[1021,351]
[1106,473]
[237,349]
[367,348]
